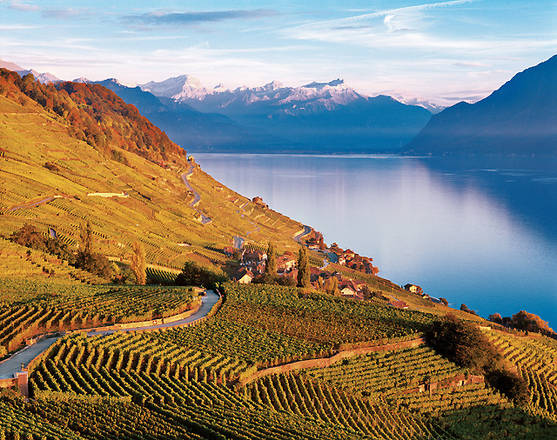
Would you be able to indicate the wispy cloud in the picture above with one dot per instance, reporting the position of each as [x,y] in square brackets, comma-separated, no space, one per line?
[190,18]
[65,13]
[16,27]
[22,6]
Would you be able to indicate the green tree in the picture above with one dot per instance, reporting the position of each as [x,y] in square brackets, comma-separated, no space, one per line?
[271,266]
[138,265]
[86,237]
[303,268]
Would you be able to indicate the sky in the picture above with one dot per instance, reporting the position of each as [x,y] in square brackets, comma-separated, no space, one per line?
[436,51]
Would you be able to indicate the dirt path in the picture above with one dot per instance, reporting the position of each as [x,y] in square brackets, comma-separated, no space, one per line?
[21,359]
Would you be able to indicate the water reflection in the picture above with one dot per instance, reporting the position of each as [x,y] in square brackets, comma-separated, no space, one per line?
[481,232]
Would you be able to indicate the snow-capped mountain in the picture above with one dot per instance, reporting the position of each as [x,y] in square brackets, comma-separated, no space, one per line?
[180,88]
[318,116]
[44,77]
[82,80]
[315,96]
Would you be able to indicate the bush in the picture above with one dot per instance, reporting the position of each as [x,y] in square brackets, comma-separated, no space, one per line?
[510,384]
[95,263]
[195,275]
[462,342]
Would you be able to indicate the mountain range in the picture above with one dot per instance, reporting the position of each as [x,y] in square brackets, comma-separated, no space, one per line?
[316,117]
[331,117]
[518,118]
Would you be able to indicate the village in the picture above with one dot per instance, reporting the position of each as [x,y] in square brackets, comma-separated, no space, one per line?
[252,261]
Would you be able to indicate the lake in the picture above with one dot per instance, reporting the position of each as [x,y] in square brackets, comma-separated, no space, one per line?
[477,231]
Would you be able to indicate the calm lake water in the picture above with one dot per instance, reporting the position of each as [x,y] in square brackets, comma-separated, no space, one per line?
[477,231]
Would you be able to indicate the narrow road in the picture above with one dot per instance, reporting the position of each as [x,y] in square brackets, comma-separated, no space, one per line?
[307,230]
[34,203]
[23,357]
[196,197]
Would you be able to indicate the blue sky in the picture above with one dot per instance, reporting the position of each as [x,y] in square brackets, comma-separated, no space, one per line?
[441,51]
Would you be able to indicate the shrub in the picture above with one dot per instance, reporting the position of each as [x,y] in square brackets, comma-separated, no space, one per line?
[462,342]
[195,275]
[510,384]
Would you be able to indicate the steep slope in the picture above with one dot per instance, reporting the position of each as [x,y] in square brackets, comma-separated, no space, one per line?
[520,117]
[95,115]
[317,117]
[50,176]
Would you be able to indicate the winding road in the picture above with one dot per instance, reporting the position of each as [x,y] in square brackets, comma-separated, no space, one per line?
[307,230]
[196,197]
[21,359]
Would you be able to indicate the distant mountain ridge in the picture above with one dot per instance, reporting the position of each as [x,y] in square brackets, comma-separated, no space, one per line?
[316,117]
[518,118]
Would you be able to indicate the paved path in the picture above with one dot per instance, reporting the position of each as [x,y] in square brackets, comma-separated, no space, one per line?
[196,197]
[35,203]
[307,230]
[13,364]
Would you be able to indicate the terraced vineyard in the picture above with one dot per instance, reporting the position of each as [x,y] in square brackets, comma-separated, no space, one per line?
[535,354]
[28,308]
[388,373]
[316,400]
[536,361]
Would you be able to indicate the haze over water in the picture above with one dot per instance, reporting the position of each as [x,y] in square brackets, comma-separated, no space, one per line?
[479,232]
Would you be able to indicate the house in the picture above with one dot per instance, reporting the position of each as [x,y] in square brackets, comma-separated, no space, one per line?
[286,262]
[253,257]
[348,290]
[244,276]
[259,202]
[229,251]
[413,288]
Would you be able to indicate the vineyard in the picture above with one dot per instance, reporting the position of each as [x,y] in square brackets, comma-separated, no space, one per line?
[316,400]
[386,374]
[536,361]
[29,308]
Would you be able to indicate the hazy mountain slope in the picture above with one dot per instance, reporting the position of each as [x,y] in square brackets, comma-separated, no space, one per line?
[188,127]
[520,117]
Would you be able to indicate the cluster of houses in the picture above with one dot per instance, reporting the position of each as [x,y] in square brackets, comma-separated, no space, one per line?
[352,260]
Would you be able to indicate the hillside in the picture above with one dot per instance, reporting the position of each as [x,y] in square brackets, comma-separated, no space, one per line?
[240,362]
[57,161]
[518,118]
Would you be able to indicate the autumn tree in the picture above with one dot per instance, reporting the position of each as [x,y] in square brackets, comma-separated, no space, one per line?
[138,262]
[303,268]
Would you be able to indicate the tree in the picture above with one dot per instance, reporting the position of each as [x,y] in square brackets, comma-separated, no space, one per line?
[462,342]
[138,262]
[444,301]
[195,275]
[303,268]
[271,266]
[496,317]
[530,322]
[86,236]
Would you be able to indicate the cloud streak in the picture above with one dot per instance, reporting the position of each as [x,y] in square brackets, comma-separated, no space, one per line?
[192,18]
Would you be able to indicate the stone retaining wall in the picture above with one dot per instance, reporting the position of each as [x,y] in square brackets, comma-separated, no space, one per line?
[328,361]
